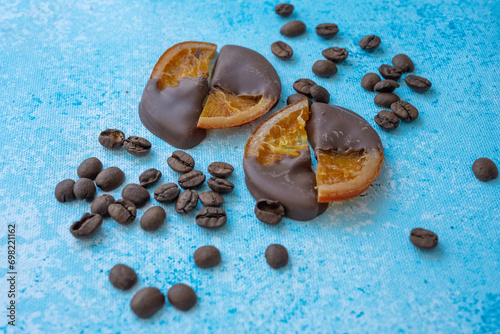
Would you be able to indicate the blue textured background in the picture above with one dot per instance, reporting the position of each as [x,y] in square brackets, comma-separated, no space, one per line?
[65,69]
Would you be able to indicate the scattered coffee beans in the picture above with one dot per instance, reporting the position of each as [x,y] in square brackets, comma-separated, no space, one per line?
[403,62]
[386,86]
[182,297]
[418,84]
[192,179]
[64,191]
[112,138]
[137,146]
[87,226]
[320,94]
[181,162]
[122,211]
[303,86]
[211,218]
[293,28]
[147,302]
[385,99]
[211,198]
[485,169]
[220,169]
[283,9]
[122,277]
[269,211]
[324,68]
[369,81]
[110,178]
[186,202]
[282,50]
[84,189]
[276,256]
[296,98]
[387,120]
[149,177]
[390,72]
[167,193]
[136,194]
[335,54]
[100,205]
[423,239]
[327,30]
[222,186]
[370,42]
[153,218]
[405,111]
[89,168]
[207,257]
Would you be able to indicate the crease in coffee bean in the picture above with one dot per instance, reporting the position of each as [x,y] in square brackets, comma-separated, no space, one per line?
[187,201]
[191,179]
[211,218]
[181,162]
[167,193]
[88,225]
[220,185]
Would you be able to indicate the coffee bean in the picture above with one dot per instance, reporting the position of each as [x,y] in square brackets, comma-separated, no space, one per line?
[369,81]
[167,193]
[385,99]
[153,218]
[87,226]
[390,72]
[327,30]
[181,162]
[220,169]
[386,86]
[405,111]
[191,179]
[149,177]
[418,84]
[123,211]
[324,68]
[100,205]
[335,54]
[423,239]
[485,169]
[136,194]
[222,186]
[303,86]
[207,257]
[112,138]
[269,211]
[89,168]
[403,62]
[186,202]
[387,120]
[370,42]
[84,189]
[211,218]
[296,98]
[293,28]
[211,198]
[320,94]
[182,297]
[64,191]
[283,9]
[137,146]
[276,256]
[281,50]
[110,178]
[122,277]
[147,302]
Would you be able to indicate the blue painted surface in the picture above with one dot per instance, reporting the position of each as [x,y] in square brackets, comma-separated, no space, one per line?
[65,70]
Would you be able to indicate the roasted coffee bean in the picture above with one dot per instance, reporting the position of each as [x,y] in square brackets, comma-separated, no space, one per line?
[390,72]
[293,28]
[370,42]
[186,202]
[147,302]
[303,86]
[122,277]
[123,211]
[84,189]
[181,162]
[89,168]
[324,68]
[64,191]
[182,297]
[269,211]
[136,194]
[369,81]
[327,30]
[167,193]
[149,177]
[418,84]
[87,226]
[296,98]
[211,198]
[276,256]
[192,179]
[405,111]
[387,120]
[485,169]
[320,94]
[220,169]
[222,186]
[112,138]
[100,205]
[282,50]
[207,257]
[403,62]
[386,86]
[110,178]
[423,239]
[335,54]
[283,9]
[137,146]
[385,99]
[153,218]
[211,218]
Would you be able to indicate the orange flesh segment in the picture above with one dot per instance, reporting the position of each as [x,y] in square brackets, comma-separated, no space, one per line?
[337,168]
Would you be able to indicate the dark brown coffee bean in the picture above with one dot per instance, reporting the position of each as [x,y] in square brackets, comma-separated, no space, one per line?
[418,84]
[182,297]
[276,256]
[220,169]
[64,191]
[192,179]
[327,30]
[369,81]
[123,211]
[282,50]
[211,218]
[283,9]
[222,186]
[186,202]
[403,62]
[110,178]
[181,162]
[370,42]
[303,86]
[320,94]
[87,226]
[324,68]
[423,239]
[136,194]
[137,146]
[405,111]
[147,302]
[387,120]
[485,169]
[153,218]
[269,211]
[122,277]
[293,28]
[390,72]
[335,54]
[296,98]
[112,138]
[385,99]
[100,205]
[89,168]
[167,193]
[207,257]
[149,177]
[386,86]
[84,189]
[211,198]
